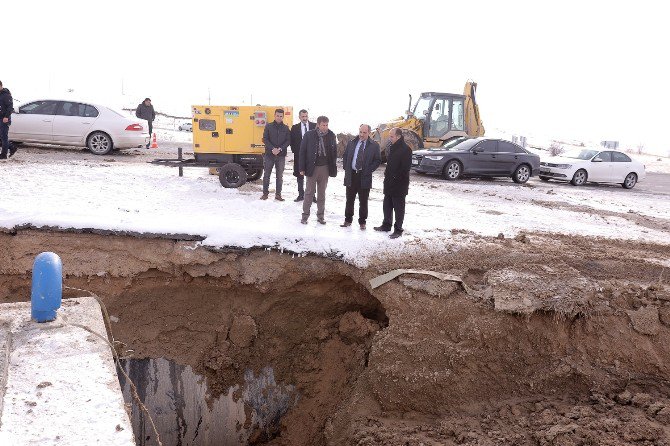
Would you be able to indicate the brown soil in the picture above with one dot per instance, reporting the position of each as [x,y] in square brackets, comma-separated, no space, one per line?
[557,341]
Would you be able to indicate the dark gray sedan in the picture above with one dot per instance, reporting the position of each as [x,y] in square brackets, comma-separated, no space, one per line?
[477,157]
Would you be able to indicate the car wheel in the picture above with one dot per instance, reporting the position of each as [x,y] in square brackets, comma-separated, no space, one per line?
[579,178]
[521,174]
[232,175]
[630,181]
[100,143]
[544,178]
[180,129]
[256,174]
[452,170]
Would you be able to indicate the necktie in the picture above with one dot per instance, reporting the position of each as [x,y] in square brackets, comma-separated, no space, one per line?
[304,129]
[359,156]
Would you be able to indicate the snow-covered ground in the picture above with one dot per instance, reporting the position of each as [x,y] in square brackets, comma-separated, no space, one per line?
[73,189]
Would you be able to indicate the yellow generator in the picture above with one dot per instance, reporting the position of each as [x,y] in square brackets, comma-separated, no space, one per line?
[229,140]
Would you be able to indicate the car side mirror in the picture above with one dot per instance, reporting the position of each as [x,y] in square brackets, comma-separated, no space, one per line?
[477,150]
[596,160]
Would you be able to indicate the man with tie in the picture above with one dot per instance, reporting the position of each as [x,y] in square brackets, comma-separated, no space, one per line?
[297,133]
[360,159]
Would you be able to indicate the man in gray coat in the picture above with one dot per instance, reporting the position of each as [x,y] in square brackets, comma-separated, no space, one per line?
[276,137]
[360,159]
[146,111]
[317,162]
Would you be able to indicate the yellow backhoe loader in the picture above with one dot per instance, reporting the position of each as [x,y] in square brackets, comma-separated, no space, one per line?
[435,119]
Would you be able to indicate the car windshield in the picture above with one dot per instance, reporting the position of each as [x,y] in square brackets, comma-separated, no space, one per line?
[452,143]
[115,112]
[464,144]
[583,154]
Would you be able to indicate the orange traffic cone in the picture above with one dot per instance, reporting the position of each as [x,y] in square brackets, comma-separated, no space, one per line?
[154,144]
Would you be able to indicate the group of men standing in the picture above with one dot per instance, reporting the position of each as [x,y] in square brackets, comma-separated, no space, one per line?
[315,154]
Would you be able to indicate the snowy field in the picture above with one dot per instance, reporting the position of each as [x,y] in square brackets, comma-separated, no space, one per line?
[70,188]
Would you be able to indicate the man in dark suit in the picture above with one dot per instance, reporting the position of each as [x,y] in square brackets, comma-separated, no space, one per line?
[297,132]
[360,159]
[396,182]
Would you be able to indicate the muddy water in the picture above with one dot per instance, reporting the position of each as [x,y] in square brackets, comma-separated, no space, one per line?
[184,414]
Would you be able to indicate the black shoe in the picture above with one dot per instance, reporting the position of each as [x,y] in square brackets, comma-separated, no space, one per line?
[395,234]
[382,228]
[12,151]
[303,221]
[362,226]
[3,157]
[300,198]
[346,224]
[322,221]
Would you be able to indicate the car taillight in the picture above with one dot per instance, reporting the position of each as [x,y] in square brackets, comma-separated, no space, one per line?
[134,128]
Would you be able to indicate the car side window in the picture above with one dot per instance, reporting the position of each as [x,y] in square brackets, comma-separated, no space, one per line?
[39,108]
[506,147]
[619,157]
[488,146]
[71,109]
[605,157]
[90,112]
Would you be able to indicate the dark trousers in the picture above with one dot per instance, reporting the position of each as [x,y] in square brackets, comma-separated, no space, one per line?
[4,139]
[151,127]
[394,203]
[296,173]
[301,185]
[363,194]
[278,162]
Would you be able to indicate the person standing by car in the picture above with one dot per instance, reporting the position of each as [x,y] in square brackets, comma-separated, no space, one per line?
[276,137]
[297,133]
[396,183]
[360,159]
[317,161]
[146,111]
[6,110]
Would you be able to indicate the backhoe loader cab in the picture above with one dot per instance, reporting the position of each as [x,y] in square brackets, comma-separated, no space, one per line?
[435,119]
[441,115]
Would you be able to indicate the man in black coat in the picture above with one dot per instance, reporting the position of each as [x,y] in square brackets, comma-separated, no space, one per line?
[297,133]
[317,161]
[396,182]
[146,111]
[360,159]
[276,137]
[6,110]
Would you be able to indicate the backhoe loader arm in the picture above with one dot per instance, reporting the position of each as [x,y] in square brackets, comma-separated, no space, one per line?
[473,122]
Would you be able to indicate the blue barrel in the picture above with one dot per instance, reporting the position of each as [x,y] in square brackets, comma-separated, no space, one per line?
[47,290]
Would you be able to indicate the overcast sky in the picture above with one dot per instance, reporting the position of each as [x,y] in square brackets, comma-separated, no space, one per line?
[583,70]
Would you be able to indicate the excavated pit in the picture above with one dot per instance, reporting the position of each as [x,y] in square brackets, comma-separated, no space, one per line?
[552,341]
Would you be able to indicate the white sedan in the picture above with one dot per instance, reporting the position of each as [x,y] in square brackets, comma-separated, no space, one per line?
[69,123]
[596,166]
[186,127]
